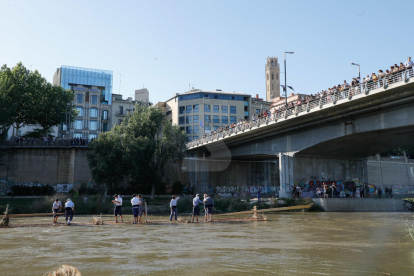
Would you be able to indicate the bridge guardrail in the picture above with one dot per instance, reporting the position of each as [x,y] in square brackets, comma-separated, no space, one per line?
[383,81]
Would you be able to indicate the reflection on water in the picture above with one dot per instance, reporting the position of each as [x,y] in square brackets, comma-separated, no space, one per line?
[288,244]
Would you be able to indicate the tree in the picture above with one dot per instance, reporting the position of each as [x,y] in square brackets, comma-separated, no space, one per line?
[107,160]
[7,108]
[51,107]
[24,86]
[140,147]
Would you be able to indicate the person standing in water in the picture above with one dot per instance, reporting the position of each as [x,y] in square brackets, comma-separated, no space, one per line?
[208,206]
[118,208]
[173,206]
[135,208]
[196,207]
[69,208]
[56,208]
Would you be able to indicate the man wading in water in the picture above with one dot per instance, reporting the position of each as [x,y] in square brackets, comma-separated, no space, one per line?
[69,208]
[173,205]
[118,208]
[196,207]
[56,208]
[208,206]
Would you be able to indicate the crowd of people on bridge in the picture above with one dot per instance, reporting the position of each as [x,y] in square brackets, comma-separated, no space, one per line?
[373,81]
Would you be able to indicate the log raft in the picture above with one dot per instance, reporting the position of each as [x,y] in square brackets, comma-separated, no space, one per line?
[268,210]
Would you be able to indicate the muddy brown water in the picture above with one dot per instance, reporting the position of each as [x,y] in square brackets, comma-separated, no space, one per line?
[299,243]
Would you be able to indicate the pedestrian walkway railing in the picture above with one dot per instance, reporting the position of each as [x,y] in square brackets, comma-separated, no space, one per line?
[41,143]
[332,98]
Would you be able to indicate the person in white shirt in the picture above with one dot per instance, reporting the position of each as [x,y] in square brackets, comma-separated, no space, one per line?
[118,208]
[196,207]
[69,208]
[135,207]
[173,206]
[409,65]
[56,208]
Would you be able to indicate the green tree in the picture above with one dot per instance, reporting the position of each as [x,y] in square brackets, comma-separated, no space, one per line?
[146,141]
[7,108]
[25,85]
[107,160]
[51,106]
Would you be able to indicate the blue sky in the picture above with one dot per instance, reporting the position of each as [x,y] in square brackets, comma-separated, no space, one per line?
[167,45]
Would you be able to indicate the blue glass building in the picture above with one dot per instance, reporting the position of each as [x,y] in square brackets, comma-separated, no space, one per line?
[69,77]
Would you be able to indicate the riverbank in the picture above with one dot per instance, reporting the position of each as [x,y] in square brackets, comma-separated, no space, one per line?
[361,204]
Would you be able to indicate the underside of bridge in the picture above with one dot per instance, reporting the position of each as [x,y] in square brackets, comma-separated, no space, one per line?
[362,144]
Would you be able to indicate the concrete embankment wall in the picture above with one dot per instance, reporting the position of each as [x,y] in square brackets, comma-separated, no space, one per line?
[360,204]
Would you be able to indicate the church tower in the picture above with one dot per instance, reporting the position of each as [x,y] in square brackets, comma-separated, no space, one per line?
[272,78]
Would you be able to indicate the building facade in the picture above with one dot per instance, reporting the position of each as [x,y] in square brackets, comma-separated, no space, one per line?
[93,98]
[272,71]
[199,112]
[120,108]
[142,95]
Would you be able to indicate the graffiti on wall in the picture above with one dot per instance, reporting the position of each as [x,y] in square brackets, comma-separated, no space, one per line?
[235,191]
[6,186]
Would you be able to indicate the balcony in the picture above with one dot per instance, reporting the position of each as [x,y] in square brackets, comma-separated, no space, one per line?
[120,113]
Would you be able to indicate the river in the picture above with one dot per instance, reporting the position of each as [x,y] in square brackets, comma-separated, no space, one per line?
[299,243]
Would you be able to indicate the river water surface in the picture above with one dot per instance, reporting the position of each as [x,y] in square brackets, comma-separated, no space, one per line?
[299,243]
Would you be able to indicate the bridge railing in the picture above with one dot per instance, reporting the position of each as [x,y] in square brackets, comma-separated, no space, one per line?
[41,143]
[383,81]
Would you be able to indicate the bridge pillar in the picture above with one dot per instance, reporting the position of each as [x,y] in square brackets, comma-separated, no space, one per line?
[286,174]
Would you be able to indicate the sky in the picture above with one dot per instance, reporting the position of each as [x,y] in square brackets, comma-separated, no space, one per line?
[169,46]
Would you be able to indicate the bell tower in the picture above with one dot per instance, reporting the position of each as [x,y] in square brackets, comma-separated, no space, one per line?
[272,78]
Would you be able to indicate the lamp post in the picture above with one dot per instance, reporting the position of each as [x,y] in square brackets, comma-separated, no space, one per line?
[284,55]
[359,70]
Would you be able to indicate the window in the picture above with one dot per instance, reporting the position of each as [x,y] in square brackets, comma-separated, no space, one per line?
[216,127]
[216,108]
[257,111]
[105,127]
[188,120]
[277,77]
[187,139]
[94,99]
[94,112]
[79,98]
[272,86]
[80,110]
[78,124]
[195,108]
[224,109]
[207,118]
[188,130]
[169,112]
[195,129]
[272,62]
[93,125]
[195,119]
[233,109]
[267,76]
[233,119]
[216,119]
[182,110]
[207,129]
[181,120]
[77,135]
[189,108]
[92,136]
[207,108]
[195,137]
[120,121]
[121,110]
[105,115]
[272,77]
[182,128]
[225,119]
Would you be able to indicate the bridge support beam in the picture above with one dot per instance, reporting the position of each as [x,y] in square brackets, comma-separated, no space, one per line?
[286,174]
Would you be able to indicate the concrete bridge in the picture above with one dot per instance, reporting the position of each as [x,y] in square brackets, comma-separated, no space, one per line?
[324,140]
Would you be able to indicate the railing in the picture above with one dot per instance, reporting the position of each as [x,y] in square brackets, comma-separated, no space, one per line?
[42,143]
[333,97]
[119,113]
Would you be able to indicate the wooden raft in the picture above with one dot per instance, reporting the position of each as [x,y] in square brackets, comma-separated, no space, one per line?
[268,210]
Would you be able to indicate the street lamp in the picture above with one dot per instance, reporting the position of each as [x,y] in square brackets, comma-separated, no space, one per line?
[359,70]
[285,76]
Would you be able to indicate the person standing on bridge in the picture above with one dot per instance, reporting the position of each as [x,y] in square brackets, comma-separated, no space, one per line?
[409,65]
[69,208]
[56,208]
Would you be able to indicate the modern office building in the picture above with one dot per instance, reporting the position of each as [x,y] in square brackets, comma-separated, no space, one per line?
[201,111]
[272,71]
[142,95]
[120,108]
[93,97]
